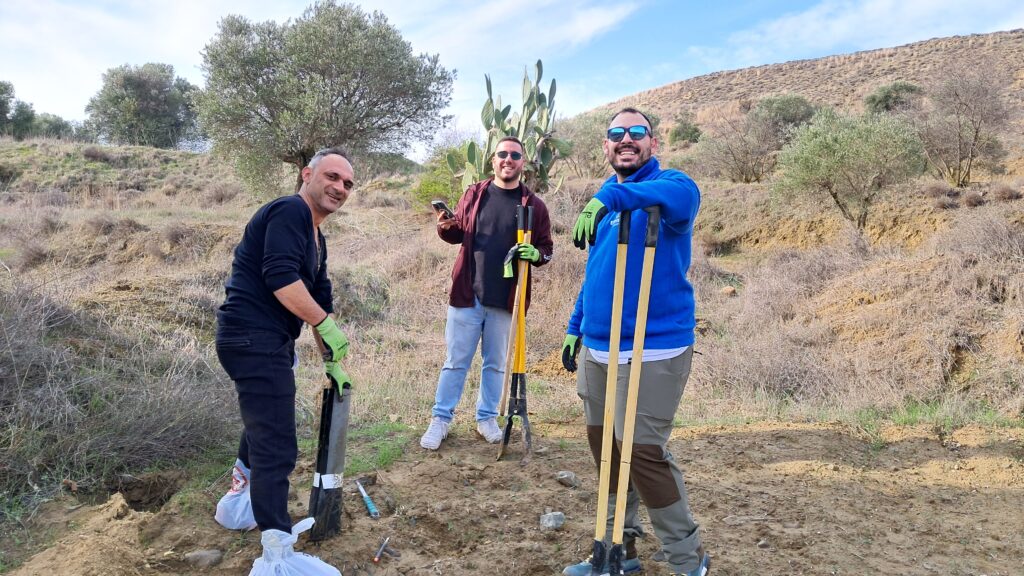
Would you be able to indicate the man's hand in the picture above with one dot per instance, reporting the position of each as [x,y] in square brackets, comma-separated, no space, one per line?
[586,224]
[337,376]
[444,222]
[570,350]
[334,340]
[528,252]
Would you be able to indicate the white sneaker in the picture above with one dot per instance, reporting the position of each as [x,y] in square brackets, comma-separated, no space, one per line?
[437,431]
[489,430]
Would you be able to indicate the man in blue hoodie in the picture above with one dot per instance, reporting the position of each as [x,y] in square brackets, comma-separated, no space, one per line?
[638,183]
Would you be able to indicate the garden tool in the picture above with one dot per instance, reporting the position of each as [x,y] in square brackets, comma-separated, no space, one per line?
[325,497]
[614,556]
[371,508]
[514,387]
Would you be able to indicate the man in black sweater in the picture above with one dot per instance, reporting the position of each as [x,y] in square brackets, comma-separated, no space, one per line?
[278,282]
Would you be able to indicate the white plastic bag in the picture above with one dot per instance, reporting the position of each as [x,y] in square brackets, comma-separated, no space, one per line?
[234,511]
[279,559]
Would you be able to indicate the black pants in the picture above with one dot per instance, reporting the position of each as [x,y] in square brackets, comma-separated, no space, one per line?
[260,364]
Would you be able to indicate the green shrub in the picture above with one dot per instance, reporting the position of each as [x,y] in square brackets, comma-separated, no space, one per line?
[684,131]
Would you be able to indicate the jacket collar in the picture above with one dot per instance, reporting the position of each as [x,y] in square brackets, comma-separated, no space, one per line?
[644,173]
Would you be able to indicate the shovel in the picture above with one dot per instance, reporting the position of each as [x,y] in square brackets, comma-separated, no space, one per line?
[325,497]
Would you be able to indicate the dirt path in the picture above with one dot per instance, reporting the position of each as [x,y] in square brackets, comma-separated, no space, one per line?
[772,498]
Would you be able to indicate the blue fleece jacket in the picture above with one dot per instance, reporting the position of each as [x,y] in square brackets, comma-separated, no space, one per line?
[670,319]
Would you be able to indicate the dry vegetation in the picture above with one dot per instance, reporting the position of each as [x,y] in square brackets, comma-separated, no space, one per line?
[115,260]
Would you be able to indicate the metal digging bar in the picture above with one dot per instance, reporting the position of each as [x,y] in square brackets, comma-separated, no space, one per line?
[515,364]
[325,497]
[615,554]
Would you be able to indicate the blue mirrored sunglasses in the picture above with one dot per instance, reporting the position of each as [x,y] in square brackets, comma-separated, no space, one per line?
[505,154]
[636,133]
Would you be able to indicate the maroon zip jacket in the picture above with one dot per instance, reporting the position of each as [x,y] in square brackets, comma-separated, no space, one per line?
[464,230]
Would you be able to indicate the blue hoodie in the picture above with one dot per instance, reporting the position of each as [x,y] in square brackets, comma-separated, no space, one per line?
[670,318]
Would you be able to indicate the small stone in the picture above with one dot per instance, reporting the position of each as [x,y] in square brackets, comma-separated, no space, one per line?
[552,521]
[204,558]
[791,525]
[763,544]
[567,478]
[727,291]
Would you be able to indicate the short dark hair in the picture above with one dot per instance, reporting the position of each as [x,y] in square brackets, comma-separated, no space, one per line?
[324,152]
[631,110]
[512,139]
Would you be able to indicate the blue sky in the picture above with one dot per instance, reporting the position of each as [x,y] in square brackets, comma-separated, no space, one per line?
[55,51]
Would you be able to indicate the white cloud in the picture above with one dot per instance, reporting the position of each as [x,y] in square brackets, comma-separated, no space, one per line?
[839,24]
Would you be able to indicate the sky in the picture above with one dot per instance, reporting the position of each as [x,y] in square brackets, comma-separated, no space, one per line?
[55,52]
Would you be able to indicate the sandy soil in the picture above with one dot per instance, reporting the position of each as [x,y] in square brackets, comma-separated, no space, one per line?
[772,498]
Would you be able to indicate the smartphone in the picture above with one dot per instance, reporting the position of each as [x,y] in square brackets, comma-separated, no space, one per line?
[440,206]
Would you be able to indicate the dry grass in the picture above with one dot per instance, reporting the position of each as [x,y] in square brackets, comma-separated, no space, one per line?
[1005,192]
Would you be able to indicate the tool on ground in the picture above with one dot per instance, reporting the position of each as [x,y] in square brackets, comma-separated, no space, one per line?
[602,558]
[370,507]
[385,549]
[514,387]
[325,497]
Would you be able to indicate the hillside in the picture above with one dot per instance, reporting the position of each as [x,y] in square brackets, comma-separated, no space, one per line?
[857,404]
[844,80]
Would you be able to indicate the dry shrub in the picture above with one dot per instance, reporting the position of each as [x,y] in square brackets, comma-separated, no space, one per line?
[221,191]
[86,401]
[51,223]
[945,203]
[973,199]
[985,233]
[97,154]
[1005,192]
[938,189]
[31,254]
[104,225]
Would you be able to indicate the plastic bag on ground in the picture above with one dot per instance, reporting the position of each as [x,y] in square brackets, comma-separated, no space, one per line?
[234,511]
[279,559]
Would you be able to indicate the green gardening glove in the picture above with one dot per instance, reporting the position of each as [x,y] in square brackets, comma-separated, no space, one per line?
[334,340]
[528,252]
[586,224]
[337,376]
[570,350]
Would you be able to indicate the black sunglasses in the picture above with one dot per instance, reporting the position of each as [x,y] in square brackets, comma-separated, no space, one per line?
[505,154]
[636,133]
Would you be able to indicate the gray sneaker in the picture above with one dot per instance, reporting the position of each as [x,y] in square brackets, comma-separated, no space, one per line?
[489,430]
[437,431]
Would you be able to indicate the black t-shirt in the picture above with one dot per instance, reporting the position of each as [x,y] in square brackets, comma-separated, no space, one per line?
[277,248]
[495,234]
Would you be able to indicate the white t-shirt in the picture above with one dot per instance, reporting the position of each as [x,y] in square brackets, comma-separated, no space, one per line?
[649,355]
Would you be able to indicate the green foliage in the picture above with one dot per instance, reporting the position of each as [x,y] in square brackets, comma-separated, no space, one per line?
[895,97]
[52,126]
[684,131]
[438,182]
[276,93]
[586,131]
[849,159]
[6,104]
[745,149]
[533,124]
[22,120]
[375,447]
[145,105]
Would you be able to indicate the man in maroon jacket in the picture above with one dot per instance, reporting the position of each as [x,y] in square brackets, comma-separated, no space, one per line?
[480,303]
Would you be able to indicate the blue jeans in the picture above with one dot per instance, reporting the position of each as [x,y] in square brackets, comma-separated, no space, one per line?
[466,327]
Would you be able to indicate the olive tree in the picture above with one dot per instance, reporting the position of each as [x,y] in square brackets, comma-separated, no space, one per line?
[898,96]
[276,93]
[849,159]
[145,105]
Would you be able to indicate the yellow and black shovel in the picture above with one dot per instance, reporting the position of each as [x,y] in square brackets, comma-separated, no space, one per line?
[614,556]
[513,389]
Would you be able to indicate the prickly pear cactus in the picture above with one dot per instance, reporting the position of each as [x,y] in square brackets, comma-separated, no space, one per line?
[533,125]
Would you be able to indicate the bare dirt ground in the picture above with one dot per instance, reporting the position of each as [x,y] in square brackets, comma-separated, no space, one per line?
[772,498]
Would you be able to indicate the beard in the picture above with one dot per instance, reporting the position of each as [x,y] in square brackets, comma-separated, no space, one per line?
[629,167]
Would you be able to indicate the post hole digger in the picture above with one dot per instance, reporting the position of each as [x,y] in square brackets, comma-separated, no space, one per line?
[603,560]
[513,390]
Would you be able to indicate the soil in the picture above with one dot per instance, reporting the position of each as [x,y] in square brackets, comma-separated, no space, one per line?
[772,498]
